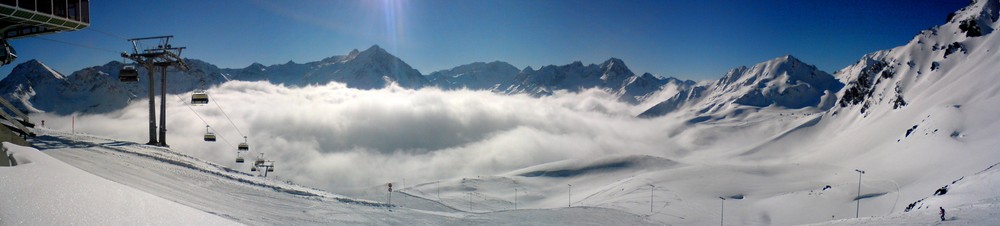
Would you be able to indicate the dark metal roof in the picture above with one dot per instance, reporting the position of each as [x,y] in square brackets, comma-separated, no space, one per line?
[24,18]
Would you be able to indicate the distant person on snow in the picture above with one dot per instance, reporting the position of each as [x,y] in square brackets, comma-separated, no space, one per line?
[942,213]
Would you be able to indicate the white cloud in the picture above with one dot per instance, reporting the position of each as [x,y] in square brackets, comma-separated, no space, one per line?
[339,139]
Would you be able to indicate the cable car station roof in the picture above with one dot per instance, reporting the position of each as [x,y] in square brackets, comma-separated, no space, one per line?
[25,18]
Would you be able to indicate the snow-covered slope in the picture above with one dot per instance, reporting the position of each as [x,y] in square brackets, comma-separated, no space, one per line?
[132,174]
[41,190]
[783,82]
[949,56]
[969,200]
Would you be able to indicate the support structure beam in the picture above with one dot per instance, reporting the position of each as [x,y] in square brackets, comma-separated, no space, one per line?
[152,110]
[163,106]
[160,57]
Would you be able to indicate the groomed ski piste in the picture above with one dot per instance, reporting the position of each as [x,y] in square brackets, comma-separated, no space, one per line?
[88,180]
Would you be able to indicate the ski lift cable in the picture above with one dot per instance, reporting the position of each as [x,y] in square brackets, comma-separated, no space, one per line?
[105,33]
[203,120]
[75,44]
[213,100]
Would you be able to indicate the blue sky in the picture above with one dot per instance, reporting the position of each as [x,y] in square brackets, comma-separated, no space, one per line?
[685,39]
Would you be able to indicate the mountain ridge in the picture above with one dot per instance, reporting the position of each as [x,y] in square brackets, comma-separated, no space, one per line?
[372,68]
[784,82]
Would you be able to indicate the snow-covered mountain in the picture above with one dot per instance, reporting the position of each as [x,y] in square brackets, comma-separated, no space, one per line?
[96,89]
[476,75]
[783,82]
[945,57]
[370,69]
[34,87]
[611,75]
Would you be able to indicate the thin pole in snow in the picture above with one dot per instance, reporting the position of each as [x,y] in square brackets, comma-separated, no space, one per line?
[651,197]
[569,197]
[722,220]
[857,212]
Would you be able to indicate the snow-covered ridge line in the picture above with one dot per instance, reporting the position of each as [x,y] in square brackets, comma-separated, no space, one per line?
[34,87]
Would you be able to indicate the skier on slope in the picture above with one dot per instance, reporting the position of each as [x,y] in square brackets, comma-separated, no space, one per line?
[942,213]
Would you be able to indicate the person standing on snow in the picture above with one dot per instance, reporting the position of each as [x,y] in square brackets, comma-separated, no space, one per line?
[942,213]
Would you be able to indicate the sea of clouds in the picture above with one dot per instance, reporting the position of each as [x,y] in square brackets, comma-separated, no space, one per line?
[342,139]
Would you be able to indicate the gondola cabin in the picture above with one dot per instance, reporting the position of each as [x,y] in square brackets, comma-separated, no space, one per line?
[128,74]
[8,54]
[199,98]
[243,147]
[240,159]
[210,137]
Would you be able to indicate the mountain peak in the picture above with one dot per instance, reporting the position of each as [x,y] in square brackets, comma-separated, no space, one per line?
[256,65]
[372,68]
[615,69]
[613,60]
[36,68]
[977,19]
[375,48]
[786,59]
[375,53]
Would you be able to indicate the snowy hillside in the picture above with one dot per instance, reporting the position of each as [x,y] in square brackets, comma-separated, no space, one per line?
[111,179]
[41,190]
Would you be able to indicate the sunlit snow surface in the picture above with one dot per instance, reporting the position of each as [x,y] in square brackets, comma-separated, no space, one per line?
[207,191]
[41,190]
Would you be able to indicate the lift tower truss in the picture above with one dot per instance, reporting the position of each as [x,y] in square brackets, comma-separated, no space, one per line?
[160,54]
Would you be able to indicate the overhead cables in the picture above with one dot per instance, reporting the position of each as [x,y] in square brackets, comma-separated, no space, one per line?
[203,120]
[75,44]
[227,115]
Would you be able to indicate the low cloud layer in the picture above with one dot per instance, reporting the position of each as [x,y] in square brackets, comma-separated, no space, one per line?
[342,139]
